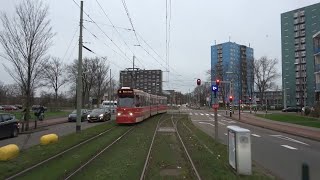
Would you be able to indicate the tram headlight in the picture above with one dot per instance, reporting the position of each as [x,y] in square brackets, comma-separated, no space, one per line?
[130,113]
[119,114]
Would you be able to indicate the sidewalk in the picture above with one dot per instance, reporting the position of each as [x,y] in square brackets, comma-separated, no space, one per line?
[298,130]
[46,122]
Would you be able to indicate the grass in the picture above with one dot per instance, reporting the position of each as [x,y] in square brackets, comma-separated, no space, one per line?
[47,114]
[294,119]
[168,160]
[125,159]
[66,163]
[38,153]
[210,157]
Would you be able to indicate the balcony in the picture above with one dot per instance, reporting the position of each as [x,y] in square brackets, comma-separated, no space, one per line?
[317,68]
[317,51]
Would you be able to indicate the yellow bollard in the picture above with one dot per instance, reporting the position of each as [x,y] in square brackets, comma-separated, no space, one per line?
[9,152]
[48,139]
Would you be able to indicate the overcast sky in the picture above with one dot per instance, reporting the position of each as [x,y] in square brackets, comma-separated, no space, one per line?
[195,26]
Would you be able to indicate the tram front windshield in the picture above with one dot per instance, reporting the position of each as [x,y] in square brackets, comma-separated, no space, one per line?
[126,102]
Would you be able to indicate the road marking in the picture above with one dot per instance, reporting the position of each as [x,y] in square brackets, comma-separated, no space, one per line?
[206,123]
[221,123]
[219,115]
[231,122]
[190,114]
[207,114]
[289,139]
[255,135]
[202,120]
[212,114]
[201,114]
[289,147]
[196,114]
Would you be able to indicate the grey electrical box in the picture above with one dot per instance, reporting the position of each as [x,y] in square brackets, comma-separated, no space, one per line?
[239,149]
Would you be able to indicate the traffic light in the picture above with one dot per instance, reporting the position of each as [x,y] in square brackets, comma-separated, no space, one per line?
[230,98]
[250,99]
[198,82]
[217,82]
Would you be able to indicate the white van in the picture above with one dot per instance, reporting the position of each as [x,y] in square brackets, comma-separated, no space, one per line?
[111,105]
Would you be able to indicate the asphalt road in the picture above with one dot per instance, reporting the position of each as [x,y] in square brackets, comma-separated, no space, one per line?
[280,153]
[27,140]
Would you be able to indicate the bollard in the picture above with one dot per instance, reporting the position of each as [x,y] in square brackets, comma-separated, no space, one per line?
[305,171]
[9,152]
[48,139]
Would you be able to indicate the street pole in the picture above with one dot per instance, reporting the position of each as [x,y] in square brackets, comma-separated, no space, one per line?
[284,94]
[110,87]
[216,134]
[132,74]
[240,94]
[79,79]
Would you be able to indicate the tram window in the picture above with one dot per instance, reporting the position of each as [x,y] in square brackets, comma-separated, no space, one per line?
[126,102]
[138,104]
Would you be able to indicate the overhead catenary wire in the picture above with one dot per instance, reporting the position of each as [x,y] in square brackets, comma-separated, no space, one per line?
[70,44]
[128,15]
[106,15]
[103,32]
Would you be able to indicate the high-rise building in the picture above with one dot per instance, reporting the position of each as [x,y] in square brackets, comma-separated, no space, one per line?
[298,78]
[231,62]
[149,81]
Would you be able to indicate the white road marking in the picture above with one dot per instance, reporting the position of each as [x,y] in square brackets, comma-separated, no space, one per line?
[206,123]
[201,114]
[289,147]
[207,114]
[231,122]
[255,135]
[212,114]
[289,139]
[221,123]
[196,114]
[201,120]
[219,115]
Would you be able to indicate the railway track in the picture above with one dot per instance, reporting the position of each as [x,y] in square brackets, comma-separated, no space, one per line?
[98,154]
[59,154]
[174,123]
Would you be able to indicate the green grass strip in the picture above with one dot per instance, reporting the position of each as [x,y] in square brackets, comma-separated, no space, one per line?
[294,119]
[47,115]
[210,157]
[39,153]
[125,159]
[63,165]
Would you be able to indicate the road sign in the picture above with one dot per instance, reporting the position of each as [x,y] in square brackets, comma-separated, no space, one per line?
[214,88]
[215,106]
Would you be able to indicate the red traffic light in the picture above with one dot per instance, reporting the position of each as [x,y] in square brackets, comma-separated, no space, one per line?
[230,98]
[217,82]
[198,82]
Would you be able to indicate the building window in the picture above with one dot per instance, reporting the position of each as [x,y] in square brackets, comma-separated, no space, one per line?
[303,40]
[303,53]
[302,19]
[296,41]
[303,33]
[302,26]
[296,27]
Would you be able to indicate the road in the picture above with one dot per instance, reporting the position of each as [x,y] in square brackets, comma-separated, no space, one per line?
[27,140]
[280,153]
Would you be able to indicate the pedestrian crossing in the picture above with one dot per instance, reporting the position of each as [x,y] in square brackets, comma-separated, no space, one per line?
[203,114]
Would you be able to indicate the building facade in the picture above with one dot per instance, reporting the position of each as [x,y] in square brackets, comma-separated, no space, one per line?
[233,63]
[272,98]
[298,79]
[149,81]
[316,50]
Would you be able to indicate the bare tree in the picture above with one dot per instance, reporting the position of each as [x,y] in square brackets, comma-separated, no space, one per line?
[101,78]
[54,76]
[265,73]
[26,39]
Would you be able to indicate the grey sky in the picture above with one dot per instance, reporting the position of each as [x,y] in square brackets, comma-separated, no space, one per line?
[195,26]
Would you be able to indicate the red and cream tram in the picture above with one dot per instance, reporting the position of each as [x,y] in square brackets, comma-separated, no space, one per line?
[135,105]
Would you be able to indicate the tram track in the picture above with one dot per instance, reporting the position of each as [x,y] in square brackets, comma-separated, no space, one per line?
[149,155]
[59,154]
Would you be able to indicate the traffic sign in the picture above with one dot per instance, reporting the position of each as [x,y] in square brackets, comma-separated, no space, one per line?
[214,88]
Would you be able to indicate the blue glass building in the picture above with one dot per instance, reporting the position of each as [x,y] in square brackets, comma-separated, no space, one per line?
[231,62]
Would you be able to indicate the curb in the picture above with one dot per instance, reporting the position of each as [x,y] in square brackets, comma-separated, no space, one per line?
[276,129]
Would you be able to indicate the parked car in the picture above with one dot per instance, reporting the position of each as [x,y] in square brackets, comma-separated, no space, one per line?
[9,126]
[111,105]
[1,107]
[9,108]
[291,109]
[73,116]
[99,115]
[18,106]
